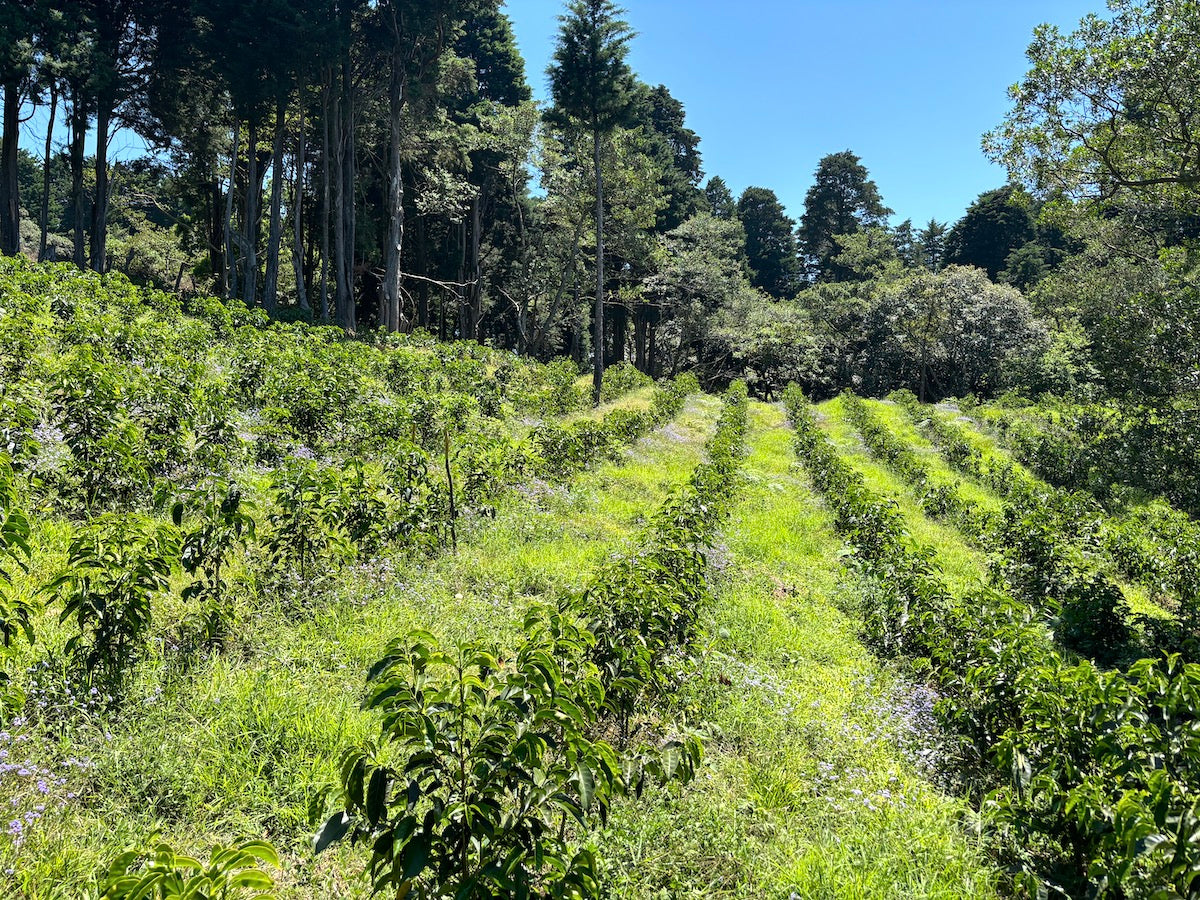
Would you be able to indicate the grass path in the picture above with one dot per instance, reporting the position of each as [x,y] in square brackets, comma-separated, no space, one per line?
[241,746]
[1138,597]
[963,565]
[814,787]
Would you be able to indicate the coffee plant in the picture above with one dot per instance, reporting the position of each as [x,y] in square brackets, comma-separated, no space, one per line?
[232,873]
[304,522]
[116,566]
[14,550]
[1086,775]
[219,522]
[1033,558]
[489,775]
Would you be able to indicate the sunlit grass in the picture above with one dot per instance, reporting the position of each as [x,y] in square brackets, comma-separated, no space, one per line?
[963,565]
[244,743]
[807,790]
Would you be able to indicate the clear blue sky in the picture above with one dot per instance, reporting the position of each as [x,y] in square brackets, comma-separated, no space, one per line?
[771,86]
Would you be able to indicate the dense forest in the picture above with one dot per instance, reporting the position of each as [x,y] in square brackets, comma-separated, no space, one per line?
[381,165]
[410,488]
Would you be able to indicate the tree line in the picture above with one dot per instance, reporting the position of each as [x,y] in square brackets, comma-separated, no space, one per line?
[382,165]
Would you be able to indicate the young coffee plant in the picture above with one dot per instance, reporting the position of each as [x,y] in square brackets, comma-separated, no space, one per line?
[304,525]
[493,773]
[232,873]
[219,522]
[116,566]
[15,613]
[14,550]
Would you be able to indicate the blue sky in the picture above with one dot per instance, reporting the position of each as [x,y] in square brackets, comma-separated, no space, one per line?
[772,86]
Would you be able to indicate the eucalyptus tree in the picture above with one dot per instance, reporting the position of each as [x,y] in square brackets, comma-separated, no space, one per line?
[593,87]
[17,22]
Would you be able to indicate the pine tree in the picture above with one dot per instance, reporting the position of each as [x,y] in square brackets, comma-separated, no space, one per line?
[592,85]
[842,200]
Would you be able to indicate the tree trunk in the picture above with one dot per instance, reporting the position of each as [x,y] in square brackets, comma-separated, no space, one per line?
[44,218]
[422,268]
[464,311]
[639,338]
[475,290]
[275,235]
[598,325]
[325,198]
[79,119]
[297,207]
[99,235]
[10,190]
[230,259]
[216,238]
[343,233]
[250,220]
[390,318]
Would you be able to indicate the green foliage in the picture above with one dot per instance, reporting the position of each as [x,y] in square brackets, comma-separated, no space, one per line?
[14,550]
[842,200]
[770,243]
[998,224]
[590,80]
[304,523]
[1110,107]
[1067,760]
[116,566]
[488,776]
[220,523]
[948,333]
[621,379]
[496,763]
[232,873]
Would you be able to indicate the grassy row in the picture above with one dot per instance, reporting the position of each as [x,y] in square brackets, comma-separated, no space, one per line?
[243,742]
[483,762]
[1034,561]
[1116,450]
[1161,554]
[1088,777]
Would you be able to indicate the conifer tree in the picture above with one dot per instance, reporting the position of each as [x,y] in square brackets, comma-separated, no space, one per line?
[592,86]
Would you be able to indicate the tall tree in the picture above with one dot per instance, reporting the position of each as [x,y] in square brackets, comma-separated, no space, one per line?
[770,243]
[418,32]
[995,225]
[720,199]
[931,246]
[842,200]
[676,149]
[16,69]
[592,85]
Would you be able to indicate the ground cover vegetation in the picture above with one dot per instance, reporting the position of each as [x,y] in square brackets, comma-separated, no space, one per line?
[395,496]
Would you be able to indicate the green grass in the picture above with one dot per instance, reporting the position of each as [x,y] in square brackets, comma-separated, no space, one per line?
[1138,597]
[814,782]
[240,746]
[963,565]
[897,421]
[811,788]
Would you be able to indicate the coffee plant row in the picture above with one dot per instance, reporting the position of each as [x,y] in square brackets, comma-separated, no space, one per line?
[1088,777]
[242,452]
[493,767]
[1033,559]
[1159,551]
[1101,447]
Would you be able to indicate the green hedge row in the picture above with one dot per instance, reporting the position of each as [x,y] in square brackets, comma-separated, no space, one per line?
[1088,778]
